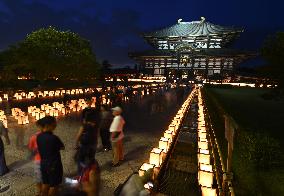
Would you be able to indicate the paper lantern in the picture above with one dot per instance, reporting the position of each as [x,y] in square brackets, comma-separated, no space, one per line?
[51,112]
[37,115]
[146,167]
[42,115]
[204,158]
[208,191]
[169,134]
[205,167]
[172,128]
[21,120]
[202,135]
[164,143]
[63,110]
[27,120]
[34,113]
[202,151]
[55,112]
[205,178]
[203,145]
[156,157]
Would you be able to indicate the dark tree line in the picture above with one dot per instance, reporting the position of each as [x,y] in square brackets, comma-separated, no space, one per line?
[50,53]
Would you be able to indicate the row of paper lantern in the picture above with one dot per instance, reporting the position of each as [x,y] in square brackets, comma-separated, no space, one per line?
[157,155]
[53,93]
[205,169]
[3,118]
[56,109]
[20,116]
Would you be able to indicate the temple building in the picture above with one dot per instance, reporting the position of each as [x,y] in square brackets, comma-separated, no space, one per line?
[198,47]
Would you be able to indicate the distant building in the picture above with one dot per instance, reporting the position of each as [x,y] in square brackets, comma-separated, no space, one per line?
[197,47]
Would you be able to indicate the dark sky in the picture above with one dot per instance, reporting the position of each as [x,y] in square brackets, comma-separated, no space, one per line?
[113,26]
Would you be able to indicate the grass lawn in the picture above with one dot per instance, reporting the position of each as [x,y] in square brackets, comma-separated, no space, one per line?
[254,115]
[251,111]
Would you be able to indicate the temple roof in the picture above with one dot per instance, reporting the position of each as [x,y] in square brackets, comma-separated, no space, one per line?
[194,28]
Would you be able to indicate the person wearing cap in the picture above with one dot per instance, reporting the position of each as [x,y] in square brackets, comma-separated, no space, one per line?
[116,129]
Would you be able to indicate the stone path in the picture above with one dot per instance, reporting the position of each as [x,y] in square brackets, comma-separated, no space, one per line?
[142,133]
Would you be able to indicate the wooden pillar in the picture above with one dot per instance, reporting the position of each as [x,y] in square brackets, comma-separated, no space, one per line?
[230,127]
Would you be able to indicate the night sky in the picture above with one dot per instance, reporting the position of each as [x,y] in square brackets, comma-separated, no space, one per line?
[113,26]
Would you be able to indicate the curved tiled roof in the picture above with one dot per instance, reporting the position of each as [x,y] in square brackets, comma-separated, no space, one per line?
[195,28]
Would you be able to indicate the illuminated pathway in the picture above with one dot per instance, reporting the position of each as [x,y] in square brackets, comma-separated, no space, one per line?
[142,132]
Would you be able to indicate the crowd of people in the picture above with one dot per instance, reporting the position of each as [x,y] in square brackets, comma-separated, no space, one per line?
[45,146]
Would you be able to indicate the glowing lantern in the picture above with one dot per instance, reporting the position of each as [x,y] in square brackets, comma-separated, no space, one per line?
[156,157]
[51,112]
[206,191]
[203,145]
[205,167]
[146,167]
[21,120]
[202,135]
[55,112]
[6,96]
[168,134]
[204,158]
[37,115]
[172,128]
[42,115]
[202,151]
[63,110]
[27,120]
[205,178]
[164,143]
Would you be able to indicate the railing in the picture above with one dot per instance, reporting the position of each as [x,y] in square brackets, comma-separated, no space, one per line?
[224,173]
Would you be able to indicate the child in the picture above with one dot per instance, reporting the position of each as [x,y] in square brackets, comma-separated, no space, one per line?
[49,146]
[35,155]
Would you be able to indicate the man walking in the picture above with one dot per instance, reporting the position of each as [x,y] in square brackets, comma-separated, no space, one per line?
[116,129]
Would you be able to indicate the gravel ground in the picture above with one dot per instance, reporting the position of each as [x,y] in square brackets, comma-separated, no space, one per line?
[142,133]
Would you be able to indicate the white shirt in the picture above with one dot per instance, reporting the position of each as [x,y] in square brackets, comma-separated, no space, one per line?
[117,126]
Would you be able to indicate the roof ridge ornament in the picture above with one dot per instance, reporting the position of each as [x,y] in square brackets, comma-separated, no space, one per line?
[179,20]
[202,19]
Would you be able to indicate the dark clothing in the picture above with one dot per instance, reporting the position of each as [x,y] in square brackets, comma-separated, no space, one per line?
[51,173]
[92,113]
[49,146]
[88,145]
[3,167]
[89,136]
[105,137]
[106,120]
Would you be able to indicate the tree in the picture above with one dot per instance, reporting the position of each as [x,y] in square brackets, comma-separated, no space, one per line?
[273,52]
[50,53]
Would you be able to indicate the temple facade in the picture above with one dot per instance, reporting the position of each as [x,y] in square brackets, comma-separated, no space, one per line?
[197,47]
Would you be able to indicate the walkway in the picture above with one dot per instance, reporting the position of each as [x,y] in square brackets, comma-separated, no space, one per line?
[143,130]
